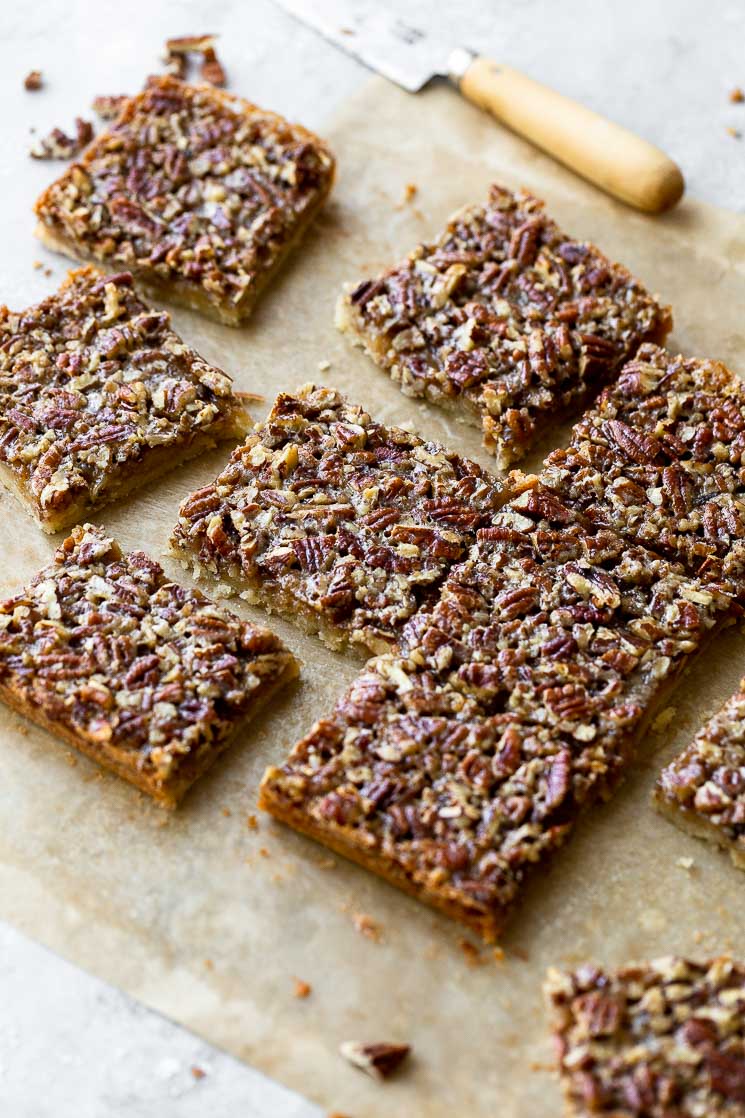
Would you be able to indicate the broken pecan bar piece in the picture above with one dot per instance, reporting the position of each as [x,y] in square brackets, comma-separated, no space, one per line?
[659,460]
[456,766]
[198,193]
[703,789]
[98,396]
[651,1040]
[504,319]
[342,523]
[147,677]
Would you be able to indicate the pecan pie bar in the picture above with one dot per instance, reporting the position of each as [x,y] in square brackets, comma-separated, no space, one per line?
[660,460]
[342,523]
[664,1039]
[198,193]
[98,396]
[504,319]
[703,789]
[455,766]
[147,677]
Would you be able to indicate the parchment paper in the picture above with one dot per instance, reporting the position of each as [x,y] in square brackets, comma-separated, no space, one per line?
[208,920]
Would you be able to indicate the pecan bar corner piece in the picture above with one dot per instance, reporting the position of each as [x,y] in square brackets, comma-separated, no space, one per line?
[201,195]
[99,396]
[651,1038]
[147,677]
[504,319]
[702,790]
[344,524]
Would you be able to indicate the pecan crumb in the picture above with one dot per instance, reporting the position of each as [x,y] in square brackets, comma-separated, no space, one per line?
[367,927]
[58,145]
[108,106]
[264,852]
[197,1072]
[736,95]
[471,953]
[663,720]
[302,989]
[226,812]
[410,192]
[33,81]
[378,1060]
[252,823]
[734,133]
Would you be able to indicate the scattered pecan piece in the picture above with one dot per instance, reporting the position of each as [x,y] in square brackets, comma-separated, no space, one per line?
[58,145]
[736,95]
[33,81]
[212,70]
[379,1060]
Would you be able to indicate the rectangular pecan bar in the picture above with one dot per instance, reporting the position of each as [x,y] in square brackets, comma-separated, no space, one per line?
[456,766]
[344,524]
[147,677]
[198,193]
[703,789]
[98,396]
[663,1039]
[659,460]
[504,319]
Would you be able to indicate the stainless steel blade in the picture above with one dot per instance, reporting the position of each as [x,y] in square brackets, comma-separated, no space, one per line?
[380,40]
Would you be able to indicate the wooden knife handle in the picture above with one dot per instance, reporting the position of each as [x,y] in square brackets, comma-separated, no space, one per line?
[608,155]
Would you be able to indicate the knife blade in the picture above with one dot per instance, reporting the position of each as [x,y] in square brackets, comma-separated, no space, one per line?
[608,155]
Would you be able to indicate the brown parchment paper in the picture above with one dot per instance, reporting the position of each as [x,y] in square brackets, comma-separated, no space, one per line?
[208,920]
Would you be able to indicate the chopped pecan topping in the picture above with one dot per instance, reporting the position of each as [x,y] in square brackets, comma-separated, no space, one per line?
[33,81]
[58,145]
[659,1038]
[108,106]
[95,390]
[703,788]
[507,314]
[379,1060]
[195,191]
[328,515]
[659,460]
[144,674]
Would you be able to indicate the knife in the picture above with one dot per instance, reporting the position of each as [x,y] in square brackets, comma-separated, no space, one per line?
[606,154]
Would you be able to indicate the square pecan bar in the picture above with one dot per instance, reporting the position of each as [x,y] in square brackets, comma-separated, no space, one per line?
[456,766]
[341,523]
[659,459]
[98,396]
[147,677]
[664,1039]
[703,789]
[198,193]
[504,319]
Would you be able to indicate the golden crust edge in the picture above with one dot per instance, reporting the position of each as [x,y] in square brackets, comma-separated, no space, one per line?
[692,824]
[166,794]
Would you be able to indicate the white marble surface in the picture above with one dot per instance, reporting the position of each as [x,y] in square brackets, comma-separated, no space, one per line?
[70,1045]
